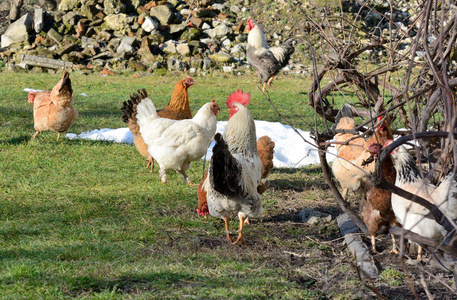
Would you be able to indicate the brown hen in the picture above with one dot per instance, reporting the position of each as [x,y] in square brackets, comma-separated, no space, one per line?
[54,110]
[177,109]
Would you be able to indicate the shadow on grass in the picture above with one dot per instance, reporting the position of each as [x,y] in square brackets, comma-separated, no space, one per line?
[17,140]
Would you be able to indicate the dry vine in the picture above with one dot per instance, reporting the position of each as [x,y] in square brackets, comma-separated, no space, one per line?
[423,99]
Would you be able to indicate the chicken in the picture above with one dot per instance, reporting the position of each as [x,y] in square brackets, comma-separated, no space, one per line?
[265,147]
[177,109]
[235,169]
[413,216]
[54,110]
[265,60]
[174,144]
[375,207]
[347,166]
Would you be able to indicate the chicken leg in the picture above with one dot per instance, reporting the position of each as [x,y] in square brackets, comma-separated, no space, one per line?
[270,80]
[34,136]
[240,240]
[58,136]
[227,231]
[394,245]
[373,243]
[419,253]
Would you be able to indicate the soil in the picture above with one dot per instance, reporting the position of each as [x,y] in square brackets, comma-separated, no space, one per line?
[315,257]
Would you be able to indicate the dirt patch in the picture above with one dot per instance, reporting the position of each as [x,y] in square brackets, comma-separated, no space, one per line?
[311,257]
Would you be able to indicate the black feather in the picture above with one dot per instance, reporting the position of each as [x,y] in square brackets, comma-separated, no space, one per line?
[129,107]
[225,170]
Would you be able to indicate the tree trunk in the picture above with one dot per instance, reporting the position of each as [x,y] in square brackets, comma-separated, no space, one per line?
[15,10]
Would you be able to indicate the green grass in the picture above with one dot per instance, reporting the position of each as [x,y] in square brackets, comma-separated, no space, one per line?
[86,219]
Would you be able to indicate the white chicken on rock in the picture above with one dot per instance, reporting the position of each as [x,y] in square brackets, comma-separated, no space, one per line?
[235,169]
[265,60]
[413,216]
[174,144]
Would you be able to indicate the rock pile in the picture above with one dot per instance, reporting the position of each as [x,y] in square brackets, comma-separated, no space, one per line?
[130,35]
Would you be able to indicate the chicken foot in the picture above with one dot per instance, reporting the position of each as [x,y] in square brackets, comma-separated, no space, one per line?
[394,245]
[184,175]
[240,240]
[163,176]
[150,162]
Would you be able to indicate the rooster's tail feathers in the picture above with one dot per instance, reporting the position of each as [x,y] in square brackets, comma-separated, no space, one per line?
[225,171]
[345,112]
[129,108]
[288,45]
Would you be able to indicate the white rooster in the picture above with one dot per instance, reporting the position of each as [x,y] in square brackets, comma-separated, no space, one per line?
[235,169]
[174,144]
[265,60]
[412,215]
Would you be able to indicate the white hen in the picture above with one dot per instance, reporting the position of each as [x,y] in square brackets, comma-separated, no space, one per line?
[412,215]
[174,144]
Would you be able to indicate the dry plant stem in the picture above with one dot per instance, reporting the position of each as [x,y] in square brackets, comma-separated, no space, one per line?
[410,282]
[424,284]
[423,240]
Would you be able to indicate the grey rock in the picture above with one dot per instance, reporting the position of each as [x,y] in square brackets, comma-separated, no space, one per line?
[190,34]
[175,64]
[18,31]
[38,20]
[226,42]
[196,62]
[126,45]
[206,26]
[221,57]
[85,42]
[169,47]
[54,35]
[313,216]
[71,18]
[67,5]
[222,30]
[227,69]
[149,24]
[114,7]
[238,48]
[183,49]
[235,9]
[163,13]
[176,28]
[119,22]
[206,41]
[358,249]
[218,6]
[192,70]
[212,33]
[207,63]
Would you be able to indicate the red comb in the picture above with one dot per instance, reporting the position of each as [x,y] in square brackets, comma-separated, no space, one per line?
[239,97]
[31,96]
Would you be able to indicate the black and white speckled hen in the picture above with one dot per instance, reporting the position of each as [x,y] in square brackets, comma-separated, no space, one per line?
[265,60]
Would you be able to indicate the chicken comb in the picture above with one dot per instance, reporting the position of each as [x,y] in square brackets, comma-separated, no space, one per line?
[239,97]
